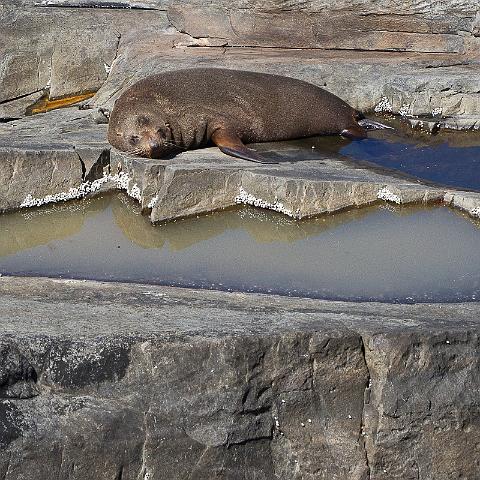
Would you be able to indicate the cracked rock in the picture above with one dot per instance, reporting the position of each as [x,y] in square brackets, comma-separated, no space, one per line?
[177,383]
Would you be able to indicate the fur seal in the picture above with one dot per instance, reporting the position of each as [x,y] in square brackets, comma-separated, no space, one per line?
[163,114]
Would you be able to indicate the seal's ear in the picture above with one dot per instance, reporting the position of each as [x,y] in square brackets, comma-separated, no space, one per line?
[229,142]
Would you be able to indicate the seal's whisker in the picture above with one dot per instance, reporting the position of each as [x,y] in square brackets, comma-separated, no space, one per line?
[136,151]
[170,144]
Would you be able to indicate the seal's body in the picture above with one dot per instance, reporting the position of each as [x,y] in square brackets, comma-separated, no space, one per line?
[187,109]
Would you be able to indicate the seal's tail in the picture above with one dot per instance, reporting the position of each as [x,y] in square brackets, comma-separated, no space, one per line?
[372,124]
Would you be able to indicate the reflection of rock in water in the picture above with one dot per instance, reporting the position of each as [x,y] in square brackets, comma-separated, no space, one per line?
[31,228]
[262,225]
[136,227]
[474,220]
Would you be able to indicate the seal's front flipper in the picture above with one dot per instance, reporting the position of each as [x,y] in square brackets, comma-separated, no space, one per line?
[355,132]
[229,143]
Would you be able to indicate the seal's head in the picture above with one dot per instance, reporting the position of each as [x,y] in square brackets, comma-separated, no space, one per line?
[140,133]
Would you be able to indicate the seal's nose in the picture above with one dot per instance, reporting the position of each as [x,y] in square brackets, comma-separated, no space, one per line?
[154,147]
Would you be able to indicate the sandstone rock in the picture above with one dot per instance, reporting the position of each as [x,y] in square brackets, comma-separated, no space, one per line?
[136,381]
[466,201]
[60,52]
[78,49]
[49,159]
[371,81]
[64,155]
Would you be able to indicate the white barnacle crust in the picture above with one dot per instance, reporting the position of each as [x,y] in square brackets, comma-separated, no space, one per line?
[386,194]
[383,105]
[404,110]
[134,192]
[475,212]
[153,202]
[247,199]
[121,181]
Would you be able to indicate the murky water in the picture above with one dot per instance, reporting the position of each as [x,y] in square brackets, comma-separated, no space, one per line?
[447,158]
[379,253]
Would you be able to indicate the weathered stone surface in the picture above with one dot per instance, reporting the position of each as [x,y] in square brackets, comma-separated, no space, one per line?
[441,406]
[366,25]
[467,201]
[64,154]
[131,381]
[42,158]
[60,52]
[77,49]
[424,85]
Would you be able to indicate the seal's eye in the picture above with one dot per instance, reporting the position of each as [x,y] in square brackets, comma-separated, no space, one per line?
[134,139]
[142,121]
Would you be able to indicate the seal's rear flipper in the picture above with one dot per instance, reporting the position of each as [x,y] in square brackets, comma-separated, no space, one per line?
[373,125]
[229,143]
[354,132]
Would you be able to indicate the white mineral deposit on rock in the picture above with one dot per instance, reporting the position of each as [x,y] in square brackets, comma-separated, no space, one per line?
[404,110]
[277,423]
[383,106]
[121,181]
[134,192]
[386,194]
[153,202]
[247,199]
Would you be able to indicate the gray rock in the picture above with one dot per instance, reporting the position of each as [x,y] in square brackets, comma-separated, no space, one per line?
[60,52]
[445,86]
[49,159]
[64,155]
[466,201]
[326,44]
[151,382]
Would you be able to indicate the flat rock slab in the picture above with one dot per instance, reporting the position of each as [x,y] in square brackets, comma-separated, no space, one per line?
[133,381]
[64,155]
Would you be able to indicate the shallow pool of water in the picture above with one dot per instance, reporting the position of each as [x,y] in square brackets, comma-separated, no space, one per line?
[379,253]
[447,158]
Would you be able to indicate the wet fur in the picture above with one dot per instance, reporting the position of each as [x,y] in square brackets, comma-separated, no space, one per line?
[184,108]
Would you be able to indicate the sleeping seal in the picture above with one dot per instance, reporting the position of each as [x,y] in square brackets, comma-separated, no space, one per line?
[192,108]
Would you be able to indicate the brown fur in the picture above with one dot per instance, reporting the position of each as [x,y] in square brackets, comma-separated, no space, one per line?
[180,110]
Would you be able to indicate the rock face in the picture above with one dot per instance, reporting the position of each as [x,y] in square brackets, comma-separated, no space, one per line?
[63,47]
[59,52]
[123,381]
[68,157]
[134,382]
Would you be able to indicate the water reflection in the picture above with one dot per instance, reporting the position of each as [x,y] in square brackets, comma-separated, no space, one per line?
[27,229]
[447,158]
[262,226]
[379,253]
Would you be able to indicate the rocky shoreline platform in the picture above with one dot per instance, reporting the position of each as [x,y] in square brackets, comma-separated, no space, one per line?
[129,381]
[133,382]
